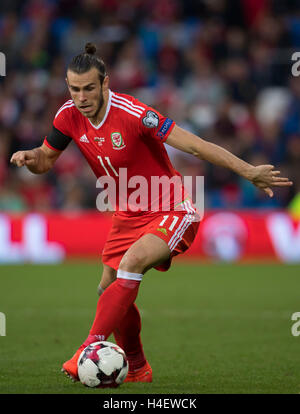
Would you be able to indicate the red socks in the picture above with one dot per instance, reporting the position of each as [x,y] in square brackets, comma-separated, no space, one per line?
[128,337]
[113,305]
[116,312]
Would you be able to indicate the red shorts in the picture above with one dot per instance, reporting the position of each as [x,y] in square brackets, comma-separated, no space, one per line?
[177,228]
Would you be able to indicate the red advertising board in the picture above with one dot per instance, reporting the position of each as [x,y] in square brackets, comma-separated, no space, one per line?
[223,235]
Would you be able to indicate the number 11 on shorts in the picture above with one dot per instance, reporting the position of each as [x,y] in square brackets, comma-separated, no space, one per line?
[175,219]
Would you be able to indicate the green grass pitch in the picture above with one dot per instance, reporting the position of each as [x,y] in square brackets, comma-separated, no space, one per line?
[207,328]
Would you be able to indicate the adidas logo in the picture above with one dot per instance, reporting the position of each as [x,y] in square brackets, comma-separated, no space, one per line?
[84,138]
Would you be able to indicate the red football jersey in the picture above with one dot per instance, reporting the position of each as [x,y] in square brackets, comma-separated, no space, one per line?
[126,146]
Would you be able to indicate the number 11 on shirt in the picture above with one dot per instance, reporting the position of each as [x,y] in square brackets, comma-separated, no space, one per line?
[109,165]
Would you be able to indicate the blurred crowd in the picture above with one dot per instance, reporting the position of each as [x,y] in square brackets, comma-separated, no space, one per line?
[221,69]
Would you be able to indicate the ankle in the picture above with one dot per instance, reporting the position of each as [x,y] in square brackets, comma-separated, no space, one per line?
[92,338]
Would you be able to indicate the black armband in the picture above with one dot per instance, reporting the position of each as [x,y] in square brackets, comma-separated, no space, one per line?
[57,140]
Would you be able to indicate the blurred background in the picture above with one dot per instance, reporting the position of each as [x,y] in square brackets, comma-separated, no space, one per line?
[221,69]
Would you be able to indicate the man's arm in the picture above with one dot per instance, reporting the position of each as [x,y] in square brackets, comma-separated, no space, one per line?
[38,160]
[262,176]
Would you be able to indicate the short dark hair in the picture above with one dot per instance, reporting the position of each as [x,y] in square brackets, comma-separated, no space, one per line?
[85,61]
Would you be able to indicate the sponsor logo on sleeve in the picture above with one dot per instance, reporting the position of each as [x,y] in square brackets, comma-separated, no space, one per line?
[165,128]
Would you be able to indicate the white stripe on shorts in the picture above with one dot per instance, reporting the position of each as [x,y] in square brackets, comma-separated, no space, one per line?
[177,236]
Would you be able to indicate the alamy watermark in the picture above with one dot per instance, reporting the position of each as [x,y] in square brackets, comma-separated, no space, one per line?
[2,324]
[137,193]
[2,64]
[296,65]
[296,326]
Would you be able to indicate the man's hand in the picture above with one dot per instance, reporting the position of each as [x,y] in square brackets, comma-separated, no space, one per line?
[28,158]
[265,177]
[38,160]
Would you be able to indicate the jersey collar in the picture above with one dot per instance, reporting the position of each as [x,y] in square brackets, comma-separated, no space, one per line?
[106,112]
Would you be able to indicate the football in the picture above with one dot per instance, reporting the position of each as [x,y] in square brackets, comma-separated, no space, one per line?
[102,364]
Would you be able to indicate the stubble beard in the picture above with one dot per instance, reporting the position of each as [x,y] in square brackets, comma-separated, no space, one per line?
[100,105]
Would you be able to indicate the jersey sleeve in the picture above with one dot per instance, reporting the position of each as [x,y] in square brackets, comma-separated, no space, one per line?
[153,125]
[60,136]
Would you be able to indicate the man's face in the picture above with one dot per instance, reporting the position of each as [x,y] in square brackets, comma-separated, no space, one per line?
[86,91]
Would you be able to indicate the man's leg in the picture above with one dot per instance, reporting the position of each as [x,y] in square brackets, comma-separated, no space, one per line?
[115,301]
[127,334]
[119,296]
[109,275]
[70,367]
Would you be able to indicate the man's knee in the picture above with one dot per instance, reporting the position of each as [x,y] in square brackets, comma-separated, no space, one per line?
[133,262]
[146,253]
